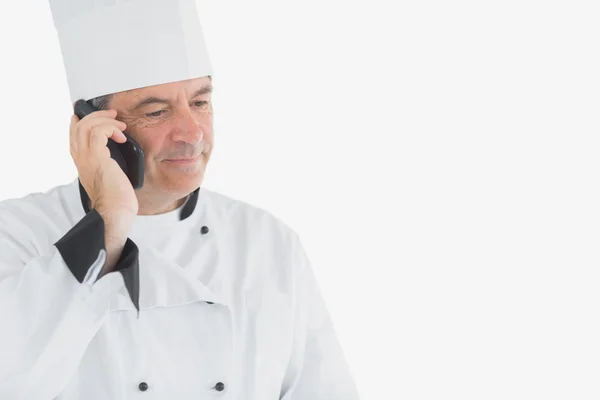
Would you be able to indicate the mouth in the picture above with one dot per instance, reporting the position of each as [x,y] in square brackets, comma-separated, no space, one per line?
[182,160]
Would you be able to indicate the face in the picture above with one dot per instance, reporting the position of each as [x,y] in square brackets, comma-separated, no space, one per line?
[173,123]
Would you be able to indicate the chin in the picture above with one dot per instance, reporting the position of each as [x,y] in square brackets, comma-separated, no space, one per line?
[185,179]
[187,183]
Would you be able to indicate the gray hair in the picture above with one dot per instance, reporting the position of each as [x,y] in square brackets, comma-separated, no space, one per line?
[101,102]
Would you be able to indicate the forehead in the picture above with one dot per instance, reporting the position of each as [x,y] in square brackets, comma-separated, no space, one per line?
[171,90]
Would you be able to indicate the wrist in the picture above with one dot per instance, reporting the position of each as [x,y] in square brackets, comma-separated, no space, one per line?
[116,229]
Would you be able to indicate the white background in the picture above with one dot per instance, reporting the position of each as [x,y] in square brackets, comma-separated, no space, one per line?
[439,159]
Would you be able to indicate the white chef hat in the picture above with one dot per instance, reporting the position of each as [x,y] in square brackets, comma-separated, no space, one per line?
[109,46]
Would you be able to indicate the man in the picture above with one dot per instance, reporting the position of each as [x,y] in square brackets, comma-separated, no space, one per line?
[171,291]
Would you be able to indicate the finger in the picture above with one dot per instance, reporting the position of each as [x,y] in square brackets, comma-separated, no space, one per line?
[100,136]
[98,149]
[119,136]
[112,114]
[97,157]
[97,140]
[87,124]
[105,124]
[102,113]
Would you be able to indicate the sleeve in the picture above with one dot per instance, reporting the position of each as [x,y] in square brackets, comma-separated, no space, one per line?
[317,369]
[51,305]
[78,247]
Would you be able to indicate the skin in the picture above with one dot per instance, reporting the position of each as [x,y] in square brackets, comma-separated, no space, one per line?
[181,127]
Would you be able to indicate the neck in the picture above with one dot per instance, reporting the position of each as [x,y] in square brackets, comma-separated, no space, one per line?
[154,207]
[147,205]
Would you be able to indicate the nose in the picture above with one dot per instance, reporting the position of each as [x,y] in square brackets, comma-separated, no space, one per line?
[188,128]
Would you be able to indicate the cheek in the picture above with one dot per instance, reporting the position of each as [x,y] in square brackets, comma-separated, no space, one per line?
[143,133]
[208,135]
[208,140]
[151,144]
[207,126]
[205,121]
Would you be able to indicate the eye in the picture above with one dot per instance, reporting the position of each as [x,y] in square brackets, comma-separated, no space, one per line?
[155,113]
[200,103]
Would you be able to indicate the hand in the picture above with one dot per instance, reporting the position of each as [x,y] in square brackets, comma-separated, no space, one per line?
[109,189]
[107,186]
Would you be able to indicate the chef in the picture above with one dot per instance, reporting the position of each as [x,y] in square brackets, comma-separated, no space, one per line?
[164,291]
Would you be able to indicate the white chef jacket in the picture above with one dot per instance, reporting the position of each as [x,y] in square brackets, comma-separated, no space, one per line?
[228,306]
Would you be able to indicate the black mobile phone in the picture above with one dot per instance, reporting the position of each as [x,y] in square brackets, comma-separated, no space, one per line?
[128,155]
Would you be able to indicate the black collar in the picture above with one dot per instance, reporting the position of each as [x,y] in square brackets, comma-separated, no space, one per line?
[186,211]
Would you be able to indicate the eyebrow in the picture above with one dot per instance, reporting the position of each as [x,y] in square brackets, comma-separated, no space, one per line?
[153,100]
